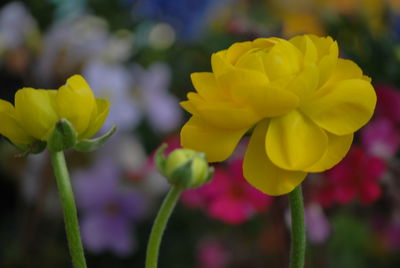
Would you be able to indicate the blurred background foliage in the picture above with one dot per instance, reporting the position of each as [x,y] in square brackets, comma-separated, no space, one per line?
[139,54]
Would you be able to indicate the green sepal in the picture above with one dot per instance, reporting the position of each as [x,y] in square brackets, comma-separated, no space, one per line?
[210,175]
[62,137]
[182,175]
[159,158]
[89,145]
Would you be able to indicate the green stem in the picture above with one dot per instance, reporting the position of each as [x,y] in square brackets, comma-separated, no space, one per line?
[298,246]
[159,225]
[68,204]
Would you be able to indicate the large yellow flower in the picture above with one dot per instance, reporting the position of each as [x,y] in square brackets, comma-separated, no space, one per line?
[37,110]
[303,101]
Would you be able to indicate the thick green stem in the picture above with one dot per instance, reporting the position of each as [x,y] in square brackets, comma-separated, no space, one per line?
[68,204]
[298,246]
[159,225]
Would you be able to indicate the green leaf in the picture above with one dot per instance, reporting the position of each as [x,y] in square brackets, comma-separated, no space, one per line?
[90,145]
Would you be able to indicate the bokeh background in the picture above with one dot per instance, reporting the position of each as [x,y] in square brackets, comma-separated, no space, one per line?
[139,54]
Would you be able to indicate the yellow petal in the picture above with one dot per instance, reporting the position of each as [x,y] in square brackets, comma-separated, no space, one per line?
[265,43]
[282,60]
[345,108]
[206,85]
[270,100]
[9,126]
[294,142]
[236,77]
[103,107]
[188,106]
[328,52]
[235,51]
[218,144]
[228,116]
[76,102]
[346,69]
[219,63]
[305,84]
[325,46]
[260,172]
[338,146]
[307,47]
[36,111]
[252,61]
[326,67]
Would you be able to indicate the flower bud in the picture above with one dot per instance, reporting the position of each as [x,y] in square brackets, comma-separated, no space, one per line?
[184,167]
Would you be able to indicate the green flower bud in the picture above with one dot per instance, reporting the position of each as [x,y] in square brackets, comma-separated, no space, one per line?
[184,167]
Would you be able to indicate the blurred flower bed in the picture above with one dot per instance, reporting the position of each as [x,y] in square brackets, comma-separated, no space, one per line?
[139,55]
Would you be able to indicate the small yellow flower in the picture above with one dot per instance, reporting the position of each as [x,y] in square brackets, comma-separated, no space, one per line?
[36,112]
[303,101]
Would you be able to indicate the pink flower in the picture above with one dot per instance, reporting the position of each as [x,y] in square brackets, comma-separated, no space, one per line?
[318,227]
[388,103]
[381,138]
[212,254]
[228,197]
[356,176]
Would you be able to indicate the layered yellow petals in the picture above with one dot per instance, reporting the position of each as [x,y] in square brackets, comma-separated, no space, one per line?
[10,127]
[223,114]
[264,175]
[98,117]
[338,146]
[217,143]
[36,112]
[76,102]
[345,108]
[207,87]
[267,101]
[305,102]
[284,59]
[294,142]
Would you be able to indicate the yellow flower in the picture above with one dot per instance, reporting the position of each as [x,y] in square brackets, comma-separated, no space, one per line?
[37,110]
[303,101]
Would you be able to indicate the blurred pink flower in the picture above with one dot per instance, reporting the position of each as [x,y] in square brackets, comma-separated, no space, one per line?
[211,254]
[356,176]
[381,138]
[388,103]
[318,227]
[228,197]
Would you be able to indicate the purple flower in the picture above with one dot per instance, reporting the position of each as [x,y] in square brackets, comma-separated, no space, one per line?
[160,108]
[108,209]
[114,82]
[73,41]
[17,26]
